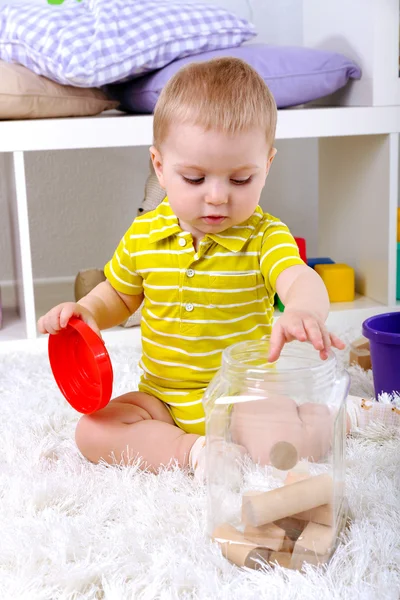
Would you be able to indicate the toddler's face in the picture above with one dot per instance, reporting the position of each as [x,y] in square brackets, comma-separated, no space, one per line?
[213,180]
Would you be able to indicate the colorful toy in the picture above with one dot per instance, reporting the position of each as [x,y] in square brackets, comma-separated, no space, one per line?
[81,366]
[383,333]
[301,243]
[339,280]
[360,353]
[398,272]
[319,261]
[279,303]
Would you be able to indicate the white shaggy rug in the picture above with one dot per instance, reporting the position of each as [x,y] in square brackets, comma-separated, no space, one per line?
[77,531]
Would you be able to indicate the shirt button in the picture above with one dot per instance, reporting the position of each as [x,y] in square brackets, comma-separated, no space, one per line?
[189,307]
[190,273]
[182,242]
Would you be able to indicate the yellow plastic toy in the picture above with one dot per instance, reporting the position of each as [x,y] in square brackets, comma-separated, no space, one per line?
[339,281]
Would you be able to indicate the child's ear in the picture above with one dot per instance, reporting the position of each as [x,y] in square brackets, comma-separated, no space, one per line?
[271,156]
[156,160]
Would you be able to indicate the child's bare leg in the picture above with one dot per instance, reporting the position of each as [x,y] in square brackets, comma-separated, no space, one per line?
[135,424]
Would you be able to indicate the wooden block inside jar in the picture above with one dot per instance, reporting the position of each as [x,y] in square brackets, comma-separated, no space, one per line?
[283,456]
[321,514]
[294,477]
[287,500]
[314,546]
[237,549]
[293,527]
[284,559]
[269,536]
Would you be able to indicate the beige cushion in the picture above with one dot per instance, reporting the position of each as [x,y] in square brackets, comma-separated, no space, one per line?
[25,95]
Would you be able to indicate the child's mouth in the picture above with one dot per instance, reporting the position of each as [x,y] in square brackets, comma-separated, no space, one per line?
[214,219]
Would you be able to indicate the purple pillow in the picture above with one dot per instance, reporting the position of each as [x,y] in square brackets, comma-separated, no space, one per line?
[294,75]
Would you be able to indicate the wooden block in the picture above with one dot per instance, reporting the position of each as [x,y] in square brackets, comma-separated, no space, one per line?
[287,500]
[292,527]
[314,546]
[360,353]
[294,477]
[339,281]
[283,456]
[282,558]
[361,358]
[288,545]
[321,514]
[269,536]
[246,496]
[361,343]
[237,549]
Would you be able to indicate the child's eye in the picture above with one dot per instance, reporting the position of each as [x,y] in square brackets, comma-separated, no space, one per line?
[241,181]
[195,181]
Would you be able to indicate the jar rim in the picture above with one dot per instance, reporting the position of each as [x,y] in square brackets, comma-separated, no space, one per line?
[290,350]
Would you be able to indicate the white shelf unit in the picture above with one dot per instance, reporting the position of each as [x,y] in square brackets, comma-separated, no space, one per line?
[358,193]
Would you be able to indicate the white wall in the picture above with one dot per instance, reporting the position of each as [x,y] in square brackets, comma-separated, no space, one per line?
[80,202]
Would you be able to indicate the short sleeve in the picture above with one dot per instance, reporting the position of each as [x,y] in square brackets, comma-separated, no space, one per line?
[279,251]
[120,270]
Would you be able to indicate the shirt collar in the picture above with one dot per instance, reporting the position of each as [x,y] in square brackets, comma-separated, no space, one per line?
[234,239]
[165,223]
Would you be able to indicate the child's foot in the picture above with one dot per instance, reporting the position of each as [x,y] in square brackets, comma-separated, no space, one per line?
[229,454]
[197,458]
[361,412]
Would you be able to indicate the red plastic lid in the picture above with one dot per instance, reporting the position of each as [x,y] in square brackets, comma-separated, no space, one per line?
[81,366]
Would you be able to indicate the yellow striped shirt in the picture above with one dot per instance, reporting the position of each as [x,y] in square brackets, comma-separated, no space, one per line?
[198,302]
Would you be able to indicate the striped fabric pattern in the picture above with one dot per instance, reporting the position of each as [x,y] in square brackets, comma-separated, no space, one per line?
[198,302]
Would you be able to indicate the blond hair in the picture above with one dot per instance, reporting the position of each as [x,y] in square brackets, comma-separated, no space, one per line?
[225,94]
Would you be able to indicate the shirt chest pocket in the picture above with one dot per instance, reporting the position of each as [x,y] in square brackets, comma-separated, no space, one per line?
[236,294]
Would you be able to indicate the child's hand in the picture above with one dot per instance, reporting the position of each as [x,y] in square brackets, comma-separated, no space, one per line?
[302,325]
[57,318]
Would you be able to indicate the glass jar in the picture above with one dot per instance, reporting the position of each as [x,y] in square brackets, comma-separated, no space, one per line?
[275,454]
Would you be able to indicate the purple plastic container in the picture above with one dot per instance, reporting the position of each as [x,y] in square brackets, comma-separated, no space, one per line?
[383,332]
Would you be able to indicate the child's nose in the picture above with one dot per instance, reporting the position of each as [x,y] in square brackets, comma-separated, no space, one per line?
[217,195]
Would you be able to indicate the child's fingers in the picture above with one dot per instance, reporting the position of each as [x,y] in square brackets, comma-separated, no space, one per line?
[337,342]
[326,339]
[277,341]
[66,313]
[297,330]
[40,326]
[314,333]
[47,326]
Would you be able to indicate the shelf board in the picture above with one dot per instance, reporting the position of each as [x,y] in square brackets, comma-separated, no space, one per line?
[115,129]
